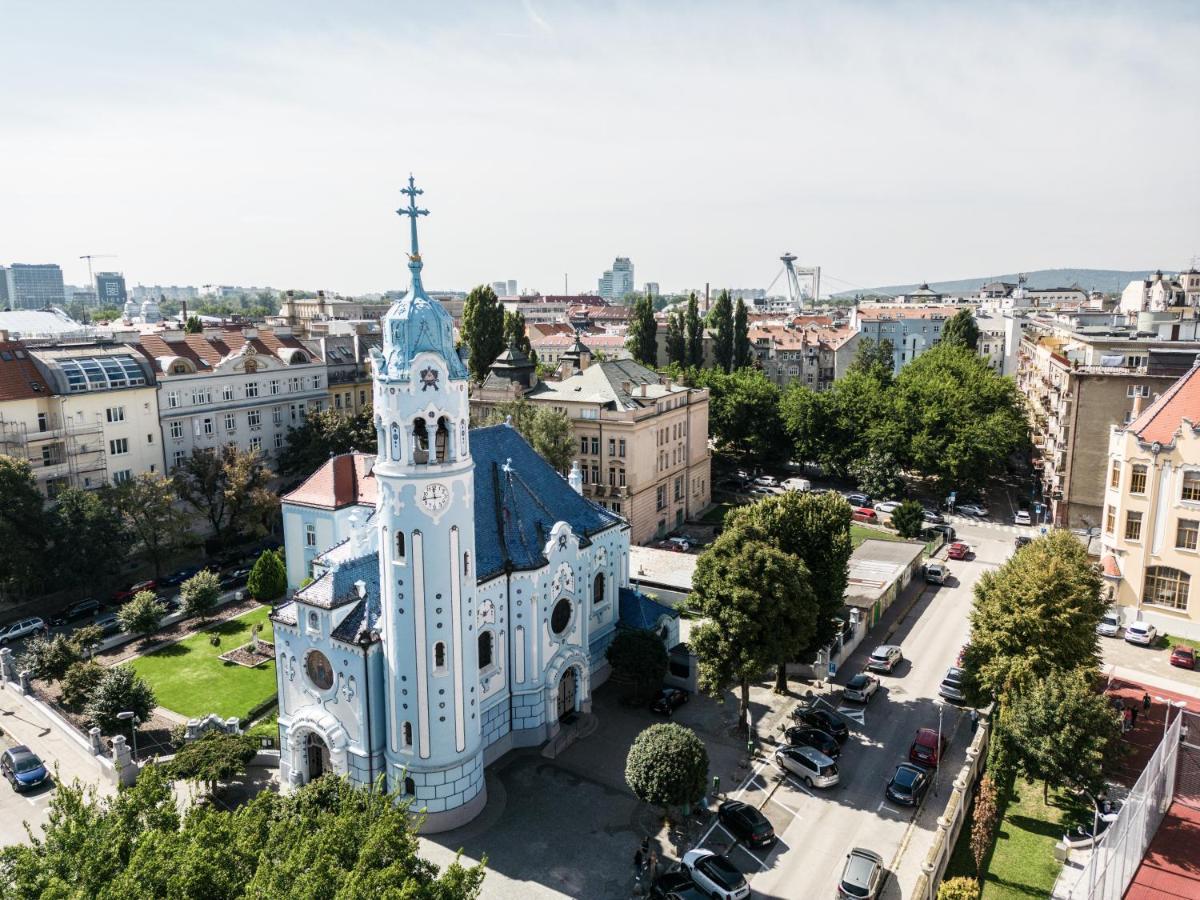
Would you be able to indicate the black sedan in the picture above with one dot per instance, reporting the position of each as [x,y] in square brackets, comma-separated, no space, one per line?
[746,823]
[669,700]
[234,579]
[828,722]
[179,576]
[82,610]
[803,736]
[908,785]
[673,884]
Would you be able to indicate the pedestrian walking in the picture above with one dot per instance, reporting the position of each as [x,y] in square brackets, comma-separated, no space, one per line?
[1126,719]
[1146,702]
[638,861]
[1133,717]
[974,720]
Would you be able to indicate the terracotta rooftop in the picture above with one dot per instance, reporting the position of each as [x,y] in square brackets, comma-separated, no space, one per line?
[874,313]
[797,338]
[19,377]
[1164,418]
[591,340]
[206,352]
[343,481]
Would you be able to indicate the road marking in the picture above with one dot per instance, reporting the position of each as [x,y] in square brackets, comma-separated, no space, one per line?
[883,805]
[854,713]
[753,775]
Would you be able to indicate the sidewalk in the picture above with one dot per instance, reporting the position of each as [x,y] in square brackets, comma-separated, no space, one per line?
[46,738]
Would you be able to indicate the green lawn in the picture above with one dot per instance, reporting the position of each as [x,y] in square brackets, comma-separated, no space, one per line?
[189,679]
[860,533]
[1022,863]
[716,515]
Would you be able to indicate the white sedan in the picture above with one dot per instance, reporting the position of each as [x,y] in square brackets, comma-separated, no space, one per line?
[1141,633]
[887,507]
[1022,517]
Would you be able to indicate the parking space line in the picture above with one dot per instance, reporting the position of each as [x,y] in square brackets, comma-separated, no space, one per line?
[737,796]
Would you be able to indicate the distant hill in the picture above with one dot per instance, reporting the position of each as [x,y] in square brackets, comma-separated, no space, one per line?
[1088,279]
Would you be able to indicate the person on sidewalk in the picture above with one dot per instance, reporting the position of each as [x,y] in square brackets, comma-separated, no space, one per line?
[974,720]
[1146,702]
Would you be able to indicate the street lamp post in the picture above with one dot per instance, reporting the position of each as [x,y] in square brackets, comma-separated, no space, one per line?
[938,768]
[131,717]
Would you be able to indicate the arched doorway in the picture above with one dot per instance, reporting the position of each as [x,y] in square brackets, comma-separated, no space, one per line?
[567,689]
[317,755]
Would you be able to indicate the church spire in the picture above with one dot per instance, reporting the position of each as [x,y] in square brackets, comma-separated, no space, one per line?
[414,256]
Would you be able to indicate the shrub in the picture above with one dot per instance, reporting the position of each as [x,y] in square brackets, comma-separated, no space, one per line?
[216,756]
[909,519]
[49,658]
[268,578]
[119,689]
[200,593]
[958,889]
[667,766]
[215,640]
[141,615]
[79,683]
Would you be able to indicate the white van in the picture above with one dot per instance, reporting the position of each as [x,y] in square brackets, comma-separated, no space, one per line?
[797,484]
[1110,625]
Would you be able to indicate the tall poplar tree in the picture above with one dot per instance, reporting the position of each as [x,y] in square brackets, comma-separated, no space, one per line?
[643,333]
[741,336]
[677,345]
[482,329]
[720,322]
[694,334]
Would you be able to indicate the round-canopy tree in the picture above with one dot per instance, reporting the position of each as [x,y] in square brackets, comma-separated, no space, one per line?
[667,766]
[268,578]
[141,615]
[909,519]
[200,593]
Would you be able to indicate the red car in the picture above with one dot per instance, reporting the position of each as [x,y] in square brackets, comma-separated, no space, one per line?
[926,750]
[958,550]
[864,514]
[1183,657]
[134,589]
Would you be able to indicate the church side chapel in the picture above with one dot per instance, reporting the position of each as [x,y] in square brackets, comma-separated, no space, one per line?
[462,593]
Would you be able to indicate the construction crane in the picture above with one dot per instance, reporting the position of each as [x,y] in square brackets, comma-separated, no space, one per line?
[89,257]
[794,274]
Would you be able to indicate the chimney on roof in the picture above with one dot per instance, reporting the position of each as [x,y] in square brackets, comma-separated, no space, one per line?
[626,387]
[642,392]
[1137,407]
[249,333]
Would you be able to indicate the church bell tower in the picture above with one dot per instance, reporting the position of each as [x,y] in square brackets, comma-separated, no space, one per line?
[426,525]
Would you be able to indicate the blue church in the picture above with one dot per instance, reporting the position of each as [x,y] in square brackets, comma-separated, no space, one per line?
[462,592]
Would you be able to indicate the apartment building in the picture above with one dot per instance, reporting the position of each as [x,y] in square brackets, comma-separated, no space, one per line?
[347,359]
[1160,292]
[551,348]
[304,315]
[81,415]
[1151,531]
[642,440]
[813,355]
[911,329]
[1078,386]
[232,385]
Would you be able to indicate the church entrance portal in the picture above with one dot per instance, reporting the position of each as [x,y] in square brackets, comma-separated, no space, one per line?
[566,694]
[318,757]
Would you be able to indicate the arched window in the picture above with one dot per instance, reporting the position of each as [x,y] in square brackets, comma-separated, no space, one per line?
[442,439]
[420,442]
[439,655]
[486,642]
[407,735]
[399,546]
[467,564]
[1166,587]
[410,786]
[560,617]
[598,589]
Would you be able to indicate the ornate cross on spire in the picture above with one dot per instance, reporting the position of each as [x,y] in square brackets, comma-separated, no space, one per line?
[412,212]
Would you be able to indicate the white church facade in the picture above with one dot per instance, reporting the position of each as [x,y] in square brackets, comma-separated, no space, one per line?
[462,592]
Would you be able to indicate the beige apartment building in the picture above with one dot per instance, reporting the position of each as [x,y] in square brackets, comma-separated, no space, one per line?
[1151,534]
[642,441]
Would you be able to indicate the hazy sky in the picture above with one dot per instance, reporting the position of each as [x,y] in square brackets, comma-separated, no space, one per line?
[264,143]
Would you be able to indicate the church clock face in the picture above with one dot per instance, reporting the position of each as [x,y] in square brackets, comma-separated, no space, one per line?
[435,497]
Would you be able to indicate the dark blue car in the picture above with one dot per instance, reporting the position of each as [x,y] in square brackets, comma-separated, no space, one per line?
[22,767]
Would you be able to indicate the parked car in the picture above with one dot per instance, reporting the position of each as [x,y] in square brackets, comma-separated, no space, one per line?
[669,700]
[828,722]
[1021,540]
[766,481]
[907,785]
[796,484]
[20,628]
[936,573]
[171,604]
[1141,633]
[679,545]
[234,579]
[861,687]
[951,687]
[958,550]
[808,764]
[864,514]
[715,875]
[746,823]
[887,507]
[932,516]
[677,885]
[927,747]
[109,624]
[1183,657]
[1022,517]
[76,611]
[885,658]
[977,510]
[856,499]
[807,736]
[179,576]
[763,491]
[862,875]
[947,531]
[1110,624]
[22,767]
[134,589]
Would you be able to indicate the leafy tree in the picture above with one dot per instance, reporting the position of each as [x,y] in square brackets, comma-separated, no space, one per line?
[742,355]
[877,359]
[482,329]
[853,418]
[639,657]
[230,488]
[984,818]
[549,433]
[89,537]
[693,329]
[814,528]
[643,333]
[1059,729]
[1035,615]
[200,593]
[23,528]
[323,434]
[327,839]
[79,683]
[962,329]
[804,414]
[961,888]
[49,658]
[120,689]
[268,577]
[877,473]
[141,615]
[147,506]
[720,323]
[667,766]
[193,325]
[677,346]
[213,757]
[909,519]
[759,607]
[743,414]
[514,332]
[86,638]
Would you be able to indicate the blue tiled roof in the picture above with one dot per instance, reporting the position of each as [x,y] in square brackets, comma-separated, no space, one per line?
[337,587]
[363,619]
[641,612]
[518,498]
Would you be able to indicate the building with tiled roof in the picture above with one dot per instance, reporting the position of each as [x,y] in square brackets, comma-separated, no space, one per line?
[911,329]
[347,359]
[810,354]
[1160,293]
[454,595]
[232,385]
[1151,530]
[550,349]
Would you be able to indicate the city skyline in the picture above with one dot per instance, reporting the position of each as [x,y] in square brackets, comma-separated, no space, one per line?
[888,145]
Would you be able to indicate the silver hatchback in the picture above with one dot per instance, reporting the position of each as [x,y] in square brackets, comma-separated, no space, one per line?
[808,764]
